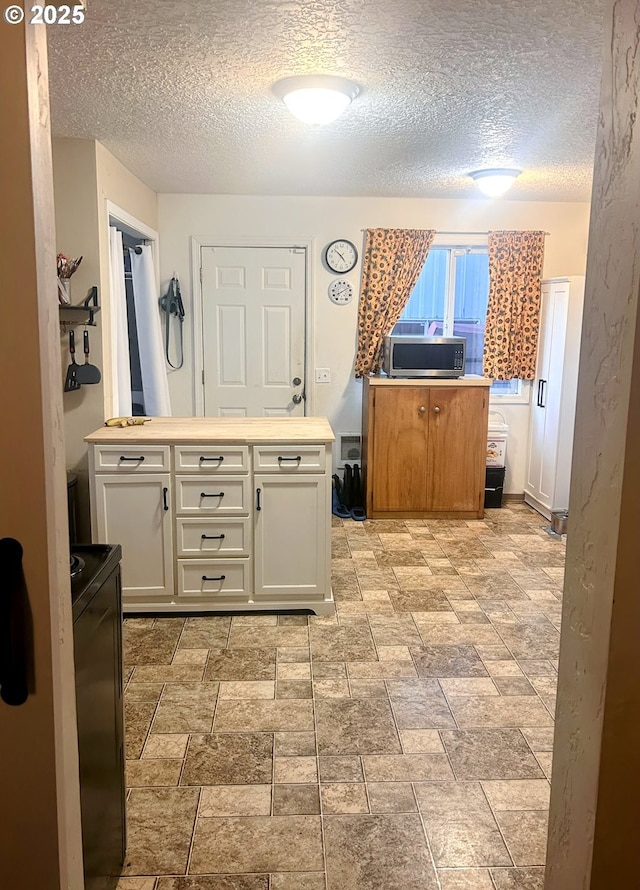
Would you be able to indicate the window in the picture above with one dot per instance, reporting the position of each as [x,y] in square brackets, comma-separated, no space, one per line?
[450,300]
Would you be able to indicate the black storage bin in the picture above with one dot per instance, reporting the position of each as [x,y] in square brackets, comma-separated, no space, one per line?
[493,486]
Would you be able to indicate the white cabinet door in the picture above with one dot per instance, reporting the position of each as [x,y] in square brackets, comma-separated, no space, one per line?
[554,395]
[551,389]
[290,536]
[133,511]
[546,393]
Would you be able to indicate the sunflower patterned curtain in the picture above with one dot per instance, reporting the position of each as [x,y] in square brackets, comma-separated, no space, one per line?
[513,311]
[393,260]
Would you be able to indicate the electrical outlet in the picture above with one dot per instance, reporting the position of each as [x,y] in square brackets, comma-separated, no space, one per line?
[323,375]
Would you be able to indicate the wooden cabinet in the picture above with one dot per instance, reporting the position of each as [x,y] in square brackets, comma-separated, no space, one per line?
[553,405]
[424,448]
[230,525]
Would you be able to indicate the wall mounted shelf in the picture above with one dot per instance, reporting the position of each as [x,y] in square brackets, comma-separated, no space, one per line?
[84,314]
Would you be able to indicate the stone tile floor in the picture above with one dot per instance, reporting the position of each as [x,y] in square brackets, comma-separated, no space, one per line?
[404,744]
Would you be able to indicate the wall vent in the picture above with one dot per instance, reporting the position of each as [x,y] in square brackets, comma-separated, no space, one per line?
[349,449]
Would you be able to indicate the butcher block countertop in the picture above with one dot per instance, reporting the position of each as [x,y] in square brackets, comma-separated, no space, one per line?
[469,380]
[239,430]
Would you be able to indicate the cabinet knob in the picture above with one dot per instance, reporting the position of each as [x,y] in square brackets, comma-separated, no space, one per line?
[421,409]
[436,410]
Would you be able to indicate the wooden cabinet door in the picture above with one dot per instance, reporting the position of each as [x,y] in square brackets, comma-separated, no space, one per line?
[130,511]
[400,457]
[456,448]
[290,537]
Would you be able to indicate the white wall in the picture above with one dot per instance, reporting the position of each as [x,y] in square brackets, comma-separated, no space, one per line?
[76,208]
[85,176]
[269,220]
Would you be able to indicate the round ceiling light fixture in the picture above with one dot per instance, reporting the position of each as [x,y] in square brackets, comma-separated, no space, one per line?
[494,183]
[316,99]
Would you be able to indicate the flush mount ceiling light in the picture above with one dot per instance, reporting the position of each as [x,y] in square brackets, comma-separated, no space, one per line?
[495,183]
[316,99]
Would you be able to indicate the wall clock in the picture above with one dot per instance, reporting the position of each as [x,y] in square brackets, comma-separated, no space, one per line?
[340,256]
[340,291]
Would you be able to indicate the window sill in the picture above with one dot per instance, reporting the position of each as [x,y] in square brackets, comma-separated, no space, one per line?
[520,398]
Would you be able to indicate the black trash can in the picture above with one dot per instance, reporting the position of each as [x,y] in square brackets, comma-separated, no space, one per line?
[493,486]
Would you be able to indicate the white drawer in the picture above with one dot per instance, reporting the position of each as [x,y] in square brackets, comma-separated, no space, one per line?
[210,459]
[214,577]
[131,458]
[289,458]
[223,495]
[212,537]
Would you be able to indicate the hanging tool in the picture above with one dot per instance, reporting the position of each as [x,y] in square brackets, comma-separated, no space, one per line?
[171,304]
[71,380]
[87,373]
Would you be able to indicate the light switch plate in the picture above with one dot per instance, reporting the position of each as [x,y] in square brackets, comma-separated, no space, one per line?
[323,375]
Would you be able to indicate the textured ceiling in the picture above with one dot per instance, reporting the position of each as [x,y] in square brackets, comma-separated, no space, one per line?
[180,92]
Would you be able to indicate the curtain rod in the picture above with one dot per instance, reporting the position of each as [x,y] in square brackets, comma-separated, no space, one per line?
[475,233]
[467,233]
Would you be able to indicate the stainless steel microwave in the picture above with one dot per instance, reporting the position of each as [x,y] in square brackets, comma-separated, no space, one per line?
[407,356]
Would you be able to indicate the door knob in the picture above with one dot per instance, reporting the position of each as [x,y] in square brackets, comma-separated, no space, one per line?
[296,399]
[421,409]
[296,381]
[436,410]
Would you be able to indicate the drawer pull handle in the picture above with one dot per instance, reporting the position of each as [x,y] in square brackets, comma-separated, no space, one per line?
[219,459]
[215,578]
[137,459]
[213,537]
[219,494]
[281,459]
[165,491]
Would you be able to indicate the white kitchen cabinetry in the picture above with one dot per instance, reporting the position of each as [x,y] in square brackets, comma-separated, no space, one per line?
[290,536]
[240,520]
[554,395]
[129,509]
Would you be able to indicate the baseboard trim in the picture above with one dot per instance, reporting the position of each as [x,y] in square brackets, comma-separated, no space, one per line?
[513,496]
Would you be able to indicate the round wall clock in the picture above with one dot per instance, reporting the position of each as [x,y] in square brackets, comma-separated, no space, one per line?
[340,256]
[340,291]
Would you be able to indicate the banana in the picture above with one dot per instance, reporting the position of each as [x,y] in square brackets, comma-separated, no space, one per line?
[126,421]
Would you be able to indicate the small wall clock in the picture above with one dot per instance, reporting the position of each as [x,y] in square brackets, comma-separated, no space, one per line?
[340,256]
[340,291]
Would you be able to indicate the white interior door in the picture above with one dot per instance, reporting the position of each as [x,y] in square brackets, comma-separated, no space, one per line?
[253,331]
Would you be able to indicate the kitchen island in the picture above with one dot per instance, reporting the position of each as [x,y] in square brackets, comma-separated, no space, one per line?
[216,514]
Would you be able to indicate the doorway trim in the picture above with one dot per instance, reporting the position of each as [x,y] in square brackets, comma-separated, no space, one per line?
[306,244]
[130,225]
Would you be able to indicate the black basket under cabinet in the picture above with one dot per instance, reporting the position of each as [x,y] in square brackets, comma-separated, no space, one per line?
[493,487]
